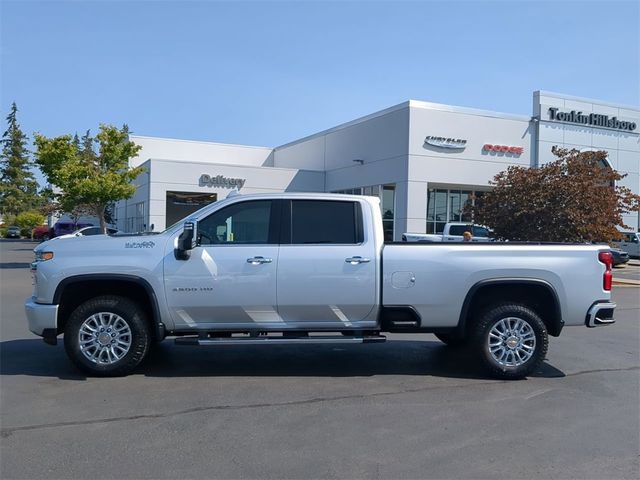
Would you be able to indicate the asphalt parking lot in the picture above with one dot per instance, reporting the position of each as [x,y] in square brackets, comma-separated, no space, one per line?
[629,271]
[409,408]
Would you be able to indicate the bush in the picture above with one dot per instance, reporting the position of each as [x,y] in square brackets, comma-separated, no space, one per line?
[573,199]
[29,220]
[40,232]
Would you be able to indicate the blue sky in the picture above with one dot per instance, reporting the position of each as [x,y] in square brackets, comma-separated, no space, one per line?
[265,73]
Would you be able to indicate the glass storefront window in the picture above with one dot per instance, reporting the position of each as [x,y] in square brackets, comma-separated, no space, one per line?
[454,205]
[182,204]
[387,195]
[466,202]
[441,206]
[448,206]
[388,211]
[431,206]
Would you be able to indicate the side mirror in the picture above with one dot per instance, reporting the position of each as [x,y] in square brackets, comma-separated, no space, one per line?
[185,242]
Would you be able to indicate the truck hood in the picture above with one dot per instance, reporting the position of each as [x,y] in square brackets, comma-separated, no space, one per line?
[101,243]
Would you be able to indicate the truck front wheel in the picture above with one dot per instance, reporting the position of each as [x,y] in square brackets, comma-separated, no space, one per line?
[107,336]
[511,340]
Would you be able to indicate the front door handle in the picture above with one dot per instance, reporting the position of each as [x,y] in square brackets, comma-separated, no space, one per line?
[356,260]
[258,260]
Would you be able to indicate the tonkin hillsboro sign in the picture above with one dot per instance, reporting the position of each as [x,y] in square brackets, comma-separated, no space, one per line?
[591,119]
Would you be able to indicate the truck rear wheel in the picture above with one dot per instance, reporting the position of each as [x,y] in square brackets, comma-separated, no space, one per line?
[511,340]
[107,336]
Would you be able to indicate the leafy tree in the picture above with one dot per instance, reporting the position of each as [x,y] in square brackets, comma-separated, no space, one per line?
[18,187]
[89,178]
[29,220]
[573,199]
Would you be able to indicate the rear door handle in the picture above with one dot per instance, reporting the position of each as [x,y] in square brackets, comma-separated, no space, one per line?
[258,260]
[356,260]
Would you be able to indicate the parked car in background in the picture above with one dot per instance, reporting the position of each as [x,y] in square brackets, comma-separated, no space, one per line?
[13,232]
[452,232]
[630,243]
[89,231]
[64,227]
[619,257]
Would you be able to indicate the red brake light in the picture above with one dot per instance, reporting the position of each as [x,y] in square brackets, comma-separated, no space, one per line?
[607,277]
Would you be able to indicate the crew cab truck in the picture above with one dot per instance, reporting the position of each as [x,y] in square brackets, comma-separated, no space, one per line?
[309,268]
[452,232]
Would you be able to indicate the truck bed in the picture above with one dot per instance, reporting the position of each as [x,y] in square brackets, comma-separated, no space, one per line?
[435,277]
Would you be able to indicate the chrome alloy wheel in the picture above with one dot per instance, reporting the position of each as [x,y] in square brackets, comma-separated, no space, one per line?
[511,342]
[104,338]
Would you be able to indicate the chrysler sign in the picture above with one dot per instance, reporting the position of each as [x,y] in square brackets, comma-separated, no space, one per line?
[445,142]
[221,181]
[591,119]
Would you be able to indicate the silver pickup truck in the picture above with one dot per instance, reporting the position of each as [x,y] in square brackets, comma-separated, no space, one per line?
[309,268]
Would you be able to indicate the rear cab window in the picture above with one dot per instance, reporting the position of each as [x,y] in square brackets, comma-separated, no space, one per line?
[458,230]
[325,222]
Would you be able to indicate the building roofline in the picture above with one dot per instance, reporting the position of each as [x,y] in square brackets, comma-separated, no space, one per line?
[201,142]
[584,99]
[232,165]
[351,123]
[410,104]
[467,110]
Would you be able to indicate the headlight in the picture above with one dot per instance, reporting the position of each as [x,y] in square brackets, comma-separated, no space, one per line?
[43,256]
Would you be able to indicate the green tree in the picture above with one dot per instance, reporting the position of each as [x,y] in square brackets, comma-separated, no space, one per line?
[29,220]
[18,187]
[89,178]
[573,199]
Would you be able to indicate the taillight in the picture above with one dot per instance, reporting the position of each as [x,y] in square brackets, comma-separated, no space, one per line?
[607,277]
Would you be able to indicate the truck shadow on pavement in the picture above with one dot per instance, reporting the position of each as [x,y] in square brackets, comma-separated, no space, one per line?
[396,357]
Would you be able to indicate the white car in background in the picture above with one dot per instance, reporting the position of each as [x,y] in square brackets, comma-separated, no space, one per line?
[89,231]
[630,243]
[452,232]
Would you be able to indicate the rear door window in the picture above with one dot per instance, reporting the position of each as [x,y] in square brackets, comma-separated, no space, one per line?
[326,222]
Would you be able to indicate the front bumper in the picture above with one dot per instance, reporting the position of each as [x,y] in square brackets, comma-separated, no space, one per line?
[601,314]
[43,318]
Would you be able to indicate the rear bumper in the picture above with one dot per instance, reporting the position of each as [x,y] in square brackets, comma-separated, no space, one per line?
[601,314]
[42,318]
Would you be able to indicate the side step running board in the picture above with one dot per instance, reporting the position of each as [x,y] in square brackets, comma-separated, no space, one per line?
[266,340]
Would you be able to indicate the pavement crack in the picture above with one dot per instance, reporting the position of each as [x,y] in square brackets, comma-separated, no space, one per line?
[602,370]
[6,432]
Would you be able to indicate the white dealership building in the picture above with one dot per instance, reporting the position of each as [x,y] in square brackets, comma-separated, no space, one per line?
[424,160]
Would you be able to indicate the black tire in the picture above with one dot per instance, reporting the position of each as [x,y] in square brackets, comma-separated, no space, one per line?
[534,352]
[139,338]
[452,340]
